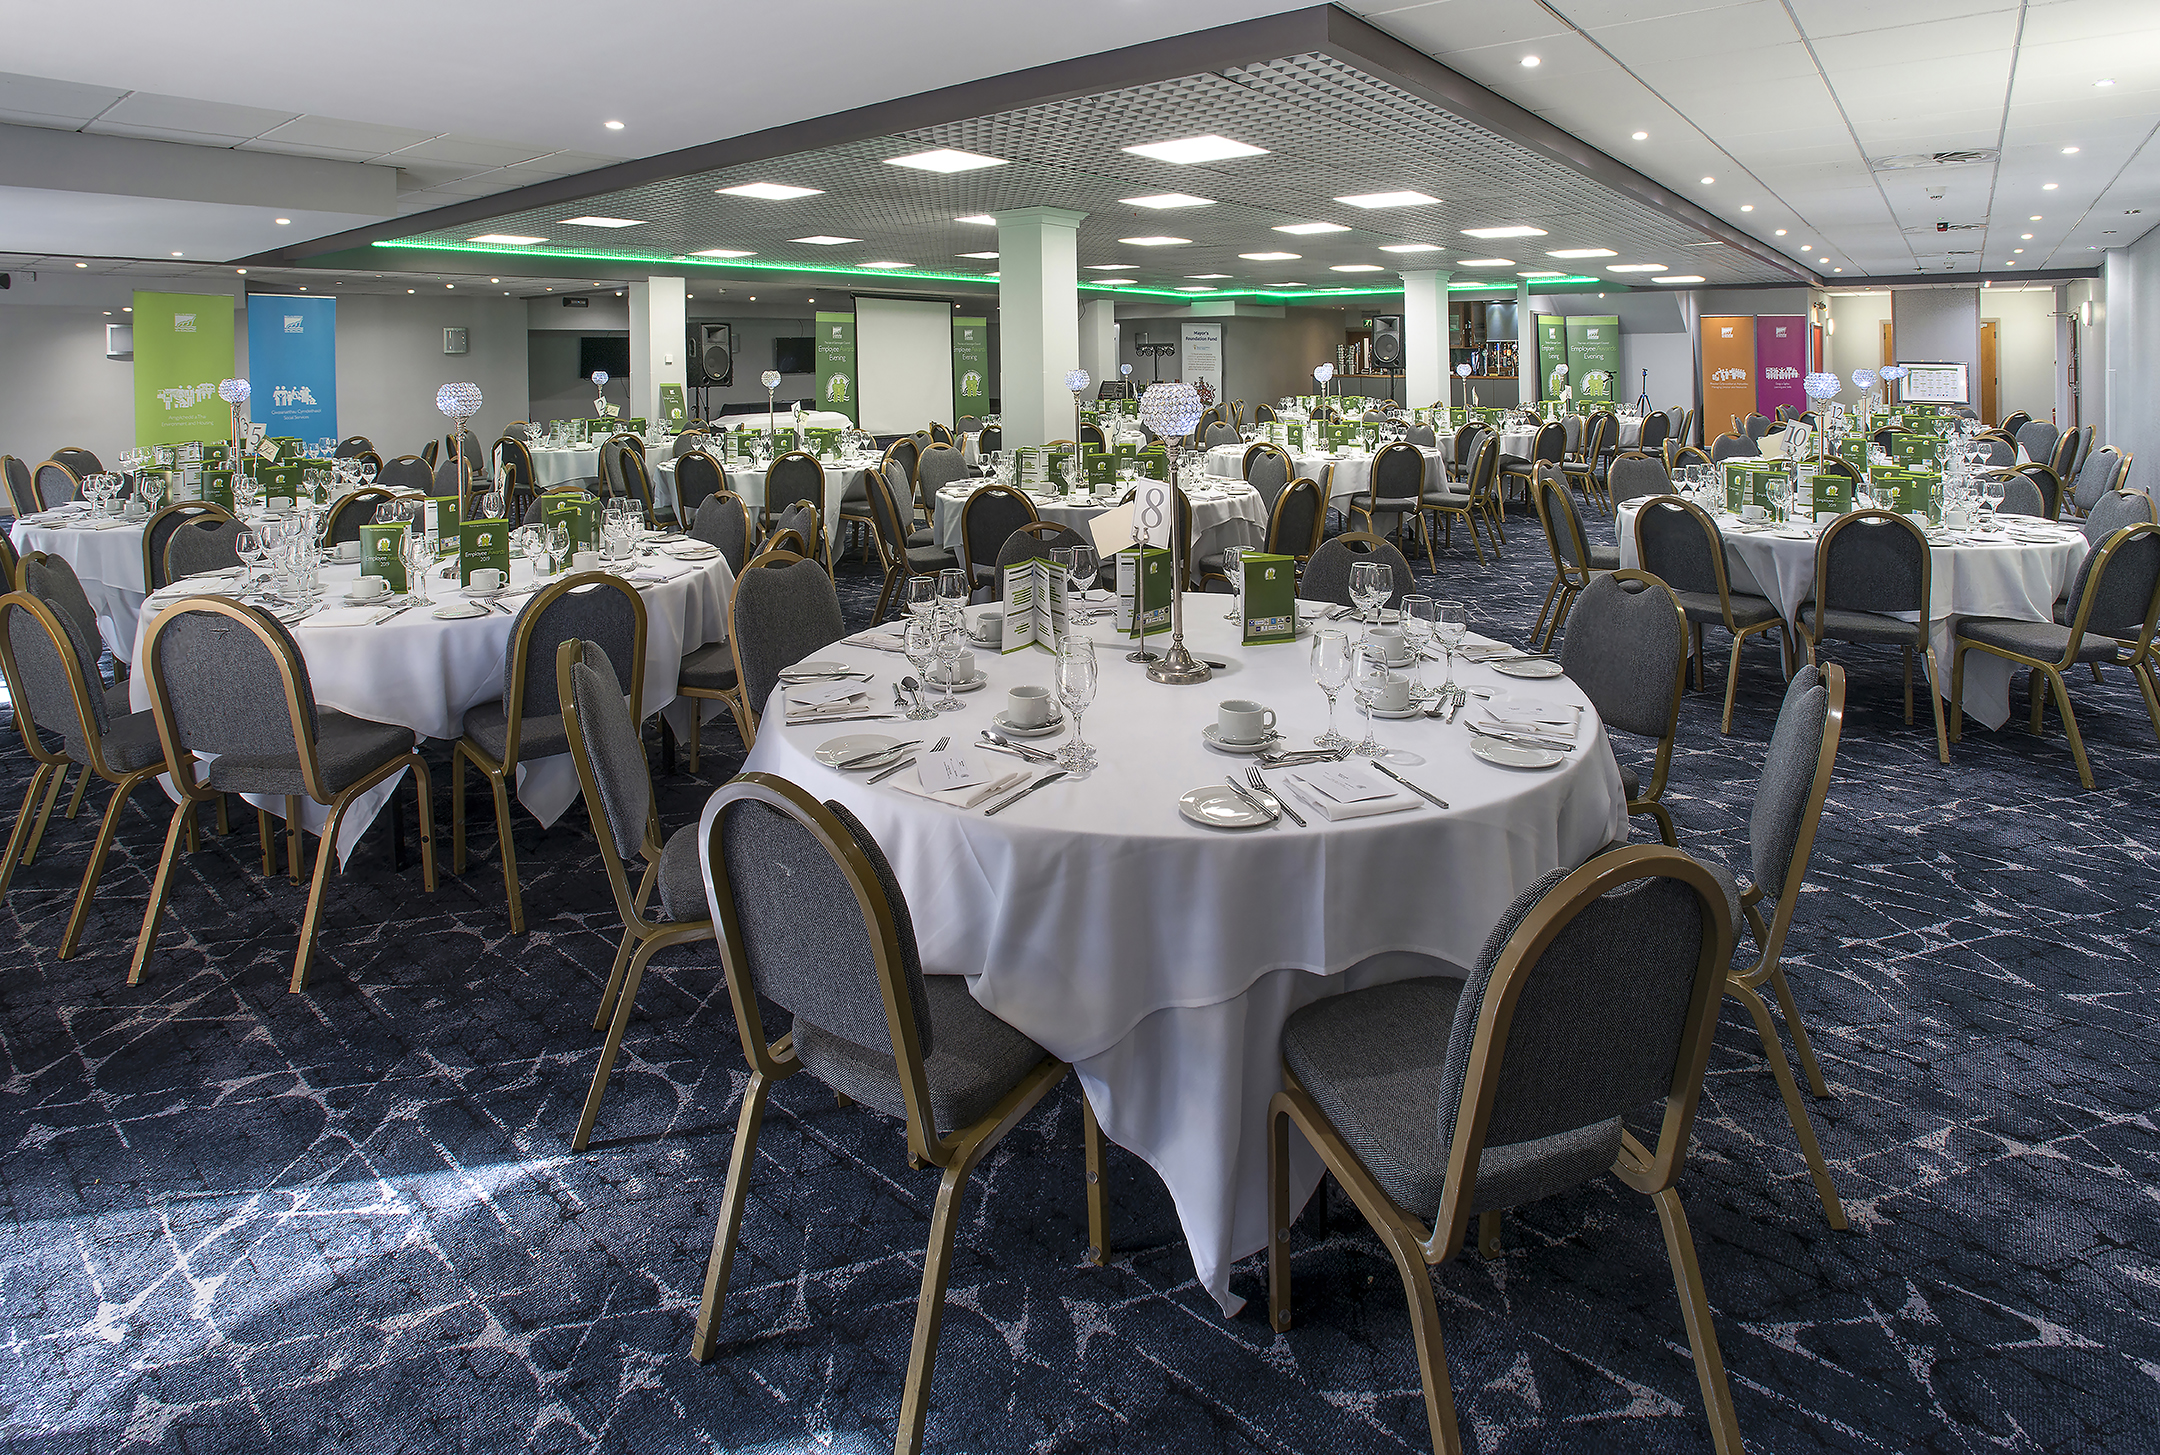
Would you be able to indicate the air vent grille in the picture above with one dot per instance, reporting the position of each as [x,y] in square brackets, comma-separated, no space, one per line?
[1920,161]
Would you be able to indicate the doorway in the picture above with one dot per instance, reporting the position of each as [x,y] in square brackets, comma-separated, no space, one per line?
[1990,359]
[1889,344]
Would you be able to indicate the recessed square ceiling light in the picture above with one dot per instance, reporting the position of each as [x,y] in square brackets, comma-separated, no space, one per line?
[1388,199]
[1485,262]
[506,239]
[1411,248]
[1109,267]
[1187,150]
[1307,229]
[1355,268]
[980,219]
[604,222]
[1116,282]
[1517,230]
[888,265]
[1194,288]
[1207,275]
[1154,242]
[1583,253]
[1637,268]
[722,253]
[1547,273]
[1168,199]
[823,241]
[945,159]
[1269,257]
[978,255]
[767,191]
[1678,278]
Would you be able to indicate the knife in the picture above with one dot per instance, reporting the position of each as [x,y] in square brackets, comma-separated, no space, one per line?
[885,752]
[1273,816]
[1521,740]
[887,773]
[1435,802]
[852,717]
[1005,803]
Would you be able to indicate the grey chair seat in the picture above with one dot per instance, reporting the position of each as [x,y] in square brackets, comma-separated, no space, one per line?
[1865,626]
[1604,558]
[116,701]
[1389,504]
[2043,640]
[131,741]
[932,557]
[349,748]
[682,879]
[709,669]
[1702,606]
[975,1058]
[1374,1061]
[1630,780]
[539,737]
[1446,497]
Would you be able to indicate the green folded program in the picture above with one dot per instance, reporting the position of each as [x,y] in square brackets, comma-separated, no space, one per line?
[580,515]
[1143,574]
[1270,598]
[483,545]
[382,553]
[280,482]
[1101,470]
[1829,491]
[217,488]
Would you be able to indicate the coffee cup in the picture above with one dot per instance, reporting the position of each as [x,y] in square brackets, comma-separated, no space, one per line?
[1240,721]
[487,578]
[990,629]
[1956,519]
[1028,706]
[1391,693]
[585,561]
[1388,642]
[963,667]
[1751,512]
[348,550]
[367,588]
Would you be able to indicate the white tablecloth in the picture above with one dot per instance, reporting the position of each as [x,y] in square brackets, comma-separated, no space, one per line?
[1162,958]
[1341,476]
[1231,515]
[108,562]
[565,467]
[750,485]
[784,418]
[2012,579]
[425,673]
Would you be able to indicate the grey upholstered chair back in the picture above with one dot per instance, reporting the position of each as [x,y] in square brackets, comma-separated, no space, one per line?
[1573,424]
[807,946]
[1466,442]
[724,521]
[2112,512]
[636,481]
[2095,477]
[2083,448]
[2063,460]
[354,446]
[936,469]
[1638,474]
[1623,641]
[1295,522]
[1756,426]
[990,515]
[1036,545]
[1788,779]
[967,424]
[406,472]
[515,454]
[794,476]
[1551,443]
[1875,562]
[685,442]
[1327,575]
[57,484]
[1563,527]
[53,581]
[698,478]
[614,749]
[203,544]
[18,485]
[226,687]
[780,615]
[2022,497]
[887,515]
[450,481]
[2038,440]
[2001,454]
[1677,546]
[597,613]
[1398,473]
[474,457]
[1732,447]
[1220,434]
[1598,1031]
[1655,429]
[1269,472]
[993,438]
[906,452]
[2122,592]
[42,687]
[807,522]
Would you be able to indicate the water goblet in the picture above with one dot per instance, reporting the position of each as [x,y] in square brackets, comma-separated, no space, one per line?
[921,595]
[1418,616]
[1076,679]
[952,589]
[1331,673]
[418,554]
[1361,581]
[1234,568]
[253,551]
[1993,489]
[1368,670]
[1450,624]
[558,542]
[1085,565]
[1381,584]
[919,638]
[951,641]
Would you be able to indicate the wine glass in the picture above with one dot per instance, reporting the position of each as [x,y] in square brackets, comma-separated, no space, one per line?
[367,471]
[1085,565]
[920,638]
[922,595]
[1234,568]
[1331,672]
[1381,583]
[532,545]
[558,545]
[952,589]
[1368,670]
[1418,617]
[951,641]
[253,550]
[418,554]
[1361,573]
[491,505]
[1450,624]
[1076,679]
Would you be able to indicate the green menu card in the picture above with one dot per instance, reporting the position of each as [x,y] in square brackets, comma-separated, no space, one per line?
[483,545]
[1101,470]
[1294,432]
[1126,449]
[581,514]
[1917,451]
[1064,469]
[279,481]
[1143,574]
[442,517]
[1909,492]
[1830,492]
[671,405]
[824,443]
[217,488]
[1270,598]
[1155,463]
[382,553]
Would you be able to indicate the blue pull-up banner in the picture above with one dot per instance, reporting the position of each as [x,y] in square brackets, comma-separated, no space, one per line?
[292,365]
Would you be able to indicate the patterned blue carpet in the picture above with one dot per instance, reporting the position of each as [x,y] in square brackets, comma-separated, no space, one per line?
[237,1220]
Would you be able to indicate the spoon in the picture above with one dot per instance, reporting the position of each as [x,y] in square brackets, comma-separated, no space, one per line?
[914,690]
[994,736]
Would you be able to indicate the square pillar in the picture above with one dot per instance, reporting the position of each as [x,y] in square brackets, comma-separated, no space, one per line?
[1526,378]
[1038,322]
[1425,337]
[1099,338]
[659,343]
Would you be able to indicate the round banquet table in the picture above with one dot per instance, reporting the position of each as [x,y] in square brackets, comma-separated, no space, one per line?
[426,673]
[573,466]
[1341,476]
[107,559]
[1976,574]
[1229,515]
[1162,958]
[749,483]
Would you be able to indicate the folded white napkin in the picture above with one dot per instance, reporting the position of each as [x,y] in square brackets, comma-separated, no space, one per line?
[878,641]
[967,797]
[808,695]
[349,615]
[1338,791]
[1532,715]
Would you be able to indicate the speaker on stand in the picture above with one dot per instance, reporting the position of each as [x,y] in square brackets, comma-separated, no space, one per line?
[1387,347]
[712,362]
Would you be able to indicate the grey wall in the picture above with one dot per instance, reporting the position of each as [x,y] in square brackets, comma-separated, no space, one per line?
[1263,358]
[390,363]
[2132,378]
[1938,325]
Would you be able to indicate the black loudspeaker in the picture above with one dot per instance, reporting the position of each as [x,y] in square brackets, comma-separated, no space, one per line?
[1387,342]
[712,357]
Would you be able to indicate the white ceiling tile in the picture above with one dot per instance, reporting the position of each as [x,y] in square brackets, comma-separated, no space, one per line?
[1824,18]
[212,118]
[1744,29]
[1449,26]
[161,133]
[416,176]
[37,96]
[465,151]
[40,119]
[294,149]
[2105,21]
[344,136]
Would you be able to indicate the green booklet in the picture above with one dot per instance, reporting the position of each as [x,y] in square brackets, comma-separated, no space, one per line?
[279,481]
[1270,598]
[1917,451]
[1035,605]
[824,443]
[382,553]
[1853,450]
[442,517]
[634,426]
[1143,574]
[1155,463]
[581,514]
[1339,435]
[282,447]
[483,545]
[1909,492]
[671,405]
[1828,491]
[1101,470]
[217,488]
[215,452]
[1126,449]
[1748,482]
[784,440]
[1294,432]
[1064,468]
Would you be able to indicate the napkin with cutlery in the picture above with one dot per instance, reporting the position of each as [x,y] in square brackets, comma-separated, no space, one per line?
[879,641]
[968,796]
[653,570]
[1338,791]
[1531,716]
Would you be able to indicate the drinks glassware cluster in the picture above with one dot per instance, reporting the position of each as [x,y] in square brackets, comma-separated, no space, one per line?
[1331,652]
[1076,681]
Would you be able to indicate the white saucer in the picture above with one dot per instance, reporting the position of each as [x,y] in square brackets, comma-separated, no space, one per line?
[975,683]
[1212,733]
[1218,806]
[1413,710]
[1010,728]
[461,610]
[385,599]
[1534,668]
[1508,755]
[480,593]
[835,751]
[814,669]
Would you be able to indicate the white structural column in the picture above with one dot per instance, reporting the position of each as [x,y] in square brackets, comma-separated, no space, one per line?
[1526,379]
[659,343]
[1098,338]
[1425,337]
[1038,321]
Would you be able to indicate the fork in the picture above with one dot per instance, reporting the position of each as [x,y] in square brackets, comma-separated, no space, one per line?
[1252,776]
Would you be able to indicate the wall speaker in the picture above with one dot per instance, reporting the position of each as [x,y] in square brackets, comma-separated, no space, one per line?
[712,355]
[1387,346]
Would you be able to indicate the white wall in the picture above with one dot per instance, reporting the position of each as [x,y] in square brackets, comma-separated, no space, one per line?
[2133,301]
[1856,342]
[390,363]
[2025,349]
[2096,365]
[1939,325]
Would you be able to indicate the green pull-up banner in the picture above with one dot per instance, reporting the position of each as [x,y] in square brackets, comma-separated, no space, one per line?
[183,350]
[836,364]
[971,367]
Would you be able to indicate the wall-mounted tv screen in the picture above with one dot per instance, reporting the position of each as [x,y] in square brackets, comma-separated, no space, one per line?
[795,355]
[603,355]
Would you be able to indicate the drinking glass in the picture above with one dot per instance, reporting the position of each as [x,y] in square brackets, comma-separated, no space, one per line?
[253,551]
[1331,673]
[531,543]
[1451,623]
[920,640]
[1419,614]
[1085,565]
[367,472]
[558,544]
[418,554]
[1234,567]
[1381,583]
[1368,670]
[491,505]
[952,588]
[1076,678]
[1361,573]
[950,643]
[922,595]
[1993,489]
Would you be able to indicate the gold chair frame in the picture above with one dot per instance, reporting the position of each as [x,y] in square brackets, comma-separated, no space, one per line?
[186,510]
[1813,637]
[1739,633]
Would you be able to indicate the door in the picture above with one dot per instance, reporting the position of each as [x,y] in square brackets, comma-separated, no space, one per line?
[1990,356]
[1889,349]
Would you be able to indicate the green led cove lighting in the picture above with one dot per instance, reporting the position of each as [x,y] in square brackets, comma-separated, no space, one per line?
[889,275]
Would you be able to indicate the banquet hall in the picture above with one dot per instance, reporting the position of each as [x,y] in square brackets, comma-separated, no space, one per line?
[1255,728]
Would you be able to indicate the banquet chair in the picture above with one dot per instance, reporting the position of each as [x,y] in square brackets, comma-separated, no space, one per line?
[2038,440]
[1423,436]
[205,543]
[1591,474]
[1755,426]
[406,472]
[967,424]
[80,462]
[1327,574]
[2065,457]
[1550,448]
[2117,596]
[723,522]
[907,452]
[453,480]
[1596,996]
[2016,422]
[2021,496]
[1789,795]
[1465,444]
[900,556]
[10,563]
[1264,414]
[1446,501]
[2100,472]
[991,438]
[1677,542]
[802,520]
[1655,428]
[22,492]
[795,475]
[1634,475]
[1092,435]
[1573,426]
[1870,564]
[602,731]
[935,468]
[784,608]
[352,447]
[53,685]
[1267,468]
[217,672]
[432,453]
[158,529]
[475,457]
[1575,561]
[2110,513]
[1690,455]
[1732,447]
[526,722]
[2001,453]
[1628,627]
[1670,453]
[1035,541]
[1297,522]
[634,443]
[991,514]
[686,440]
[708,674]
[698,477]
[782,871]
[634,482]
[1221,433]
[55,484]
[2043,479]
[515,455]
[939,434]
[1396,488]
